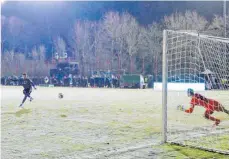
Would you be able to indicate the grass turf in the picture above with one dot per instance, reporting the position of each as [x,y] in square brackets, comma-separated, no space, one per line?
[89,121]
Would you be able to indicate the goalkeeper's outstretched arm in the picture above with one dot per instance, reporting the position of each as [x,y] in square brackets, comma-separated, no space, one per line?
[190,110]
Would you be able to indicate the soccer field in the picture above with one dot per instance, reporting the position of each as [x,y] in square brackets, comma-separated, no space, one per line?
[91,122]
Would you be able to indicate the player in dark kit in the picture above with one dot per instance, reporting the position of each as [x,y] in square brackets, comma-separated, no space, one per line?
[210,105]
[27,84]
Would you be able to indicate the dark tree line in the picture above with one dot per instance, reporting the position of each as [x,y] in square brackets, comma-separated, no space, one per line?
[117,42]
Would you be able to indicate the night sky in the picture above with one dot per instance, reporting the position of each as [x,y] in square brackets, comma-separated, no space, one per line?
[61,16]
[145,12]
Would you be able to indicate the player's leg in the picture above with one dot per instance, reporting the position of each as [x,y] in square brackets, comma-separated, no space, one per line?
[219,107]
[223,109]
[207,115]
[28,94]
[24,99]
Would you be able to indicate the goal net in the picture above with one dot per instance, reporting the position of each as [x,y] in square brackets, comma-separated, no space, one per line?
[200,62]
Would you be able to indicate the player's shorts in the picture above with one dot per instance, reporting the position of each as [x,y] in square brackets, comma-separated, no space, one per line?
[209,111]
[215,105]
[27,91]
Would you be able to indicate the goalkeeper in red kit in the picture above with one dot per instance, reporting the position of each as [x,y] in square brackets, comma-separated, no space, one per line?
[210,105]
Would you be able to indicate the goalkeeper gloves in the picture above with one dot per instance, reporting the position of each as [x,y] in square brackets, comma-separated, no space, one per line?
[180,107]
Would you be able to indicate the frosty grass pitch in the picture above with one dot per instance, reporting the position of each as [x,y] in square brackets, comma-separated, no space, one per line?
[87,122]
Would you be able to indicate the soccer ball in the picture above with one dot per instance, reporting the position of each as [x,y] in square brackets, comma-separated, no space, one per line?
[61,95]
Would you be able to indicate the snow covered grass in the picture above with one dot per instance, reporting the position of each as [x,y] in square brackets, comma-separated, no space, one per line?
[89,122]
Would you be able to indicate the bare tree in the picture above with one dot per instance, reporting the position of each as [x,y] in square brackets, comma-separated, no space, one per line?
[34,53]
[37,64]
[13,64]
[190,20]
[216,27]
[83,40]
[21,63]
[113,27]
[131,36]
[98,46]
[42,51]
[60,46]
[144,50]
[8,65]
[150,47]
[44,69]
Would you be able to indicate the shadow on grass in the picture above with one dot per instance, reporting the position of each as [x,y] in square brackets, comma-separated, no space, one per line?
[21,112]
[18,113]
[63,115]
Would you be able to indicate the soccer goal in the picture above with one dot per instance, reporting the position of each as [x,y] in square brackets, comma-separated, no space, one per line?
[200,62]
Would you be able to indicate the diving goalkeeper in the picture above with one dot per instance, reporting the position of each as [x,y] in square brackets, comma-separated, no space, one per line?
[209,104]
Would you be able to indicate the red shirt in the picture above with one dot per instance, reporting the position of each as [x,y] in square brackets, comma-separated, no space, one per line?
[200,100]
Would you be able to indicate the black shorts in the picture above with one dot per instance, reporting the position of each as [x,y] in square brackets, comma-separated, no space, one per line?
[27,91]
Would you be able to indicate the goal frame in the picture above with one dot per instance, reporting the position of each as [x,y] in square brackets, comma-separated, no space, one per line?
[165,89]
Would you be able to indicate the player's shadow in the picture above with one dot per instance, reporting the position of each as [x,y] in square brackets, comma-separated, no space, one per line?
[18,113]
[21,112]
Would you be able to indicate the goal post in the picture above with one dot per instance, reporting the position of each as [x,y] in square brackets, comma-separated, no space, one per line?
[164,90]
[200,62]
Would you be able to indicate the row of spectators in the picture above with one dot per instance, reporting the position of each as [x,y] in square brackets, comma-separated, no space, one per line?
[78,81]
[98,81]
[74,81]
